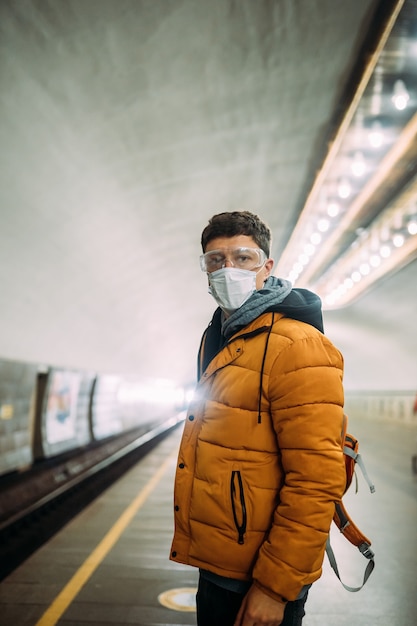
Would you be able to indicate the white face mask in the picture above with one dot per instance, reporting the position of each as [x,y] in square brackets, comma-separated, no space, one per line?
[231,287]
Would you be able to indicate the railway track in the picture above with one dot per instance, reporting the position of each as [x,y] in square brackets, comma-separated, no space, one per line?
[51,496]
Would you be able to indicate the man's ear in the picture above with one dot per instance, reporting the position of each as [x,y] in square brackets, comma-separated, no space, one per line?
[269,264]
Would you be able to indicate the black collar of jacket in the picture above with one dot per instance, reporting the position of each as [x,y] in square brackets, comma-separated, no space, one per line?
[213,340]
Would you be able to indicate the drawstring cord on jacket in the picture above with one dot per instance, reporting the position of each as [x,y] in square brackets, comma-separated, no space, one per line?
[262,369]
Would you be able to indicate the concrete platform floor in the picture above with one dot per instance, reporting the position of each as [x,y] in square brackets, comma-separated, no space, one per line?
[110,564]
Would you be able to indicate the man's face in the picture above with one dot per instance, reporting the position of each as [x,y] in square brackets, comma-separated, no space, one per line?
[241,241]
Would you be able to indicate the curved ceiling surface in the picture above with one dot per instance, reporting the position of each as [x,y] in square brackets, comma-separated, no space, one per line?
[124,126]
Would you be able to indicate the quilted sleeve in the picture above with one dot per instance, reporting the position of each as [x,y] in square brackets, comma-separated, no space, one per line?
[306,396]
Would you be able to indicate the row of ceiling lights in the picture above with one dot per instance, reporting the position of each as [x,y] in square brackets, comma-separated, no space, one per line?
[333,208]
[360,158]
[381,248]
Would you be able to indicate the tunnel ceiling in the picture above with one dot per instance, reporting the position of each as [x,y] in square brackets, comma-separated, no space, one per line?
[124,126]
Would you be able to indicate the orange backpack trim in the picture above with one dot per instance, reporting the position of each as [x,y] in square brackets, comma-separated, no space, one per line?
[342,518]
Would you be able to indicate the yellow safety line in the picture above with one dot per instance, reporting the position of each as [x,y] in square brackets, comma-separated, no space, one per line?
[82,575]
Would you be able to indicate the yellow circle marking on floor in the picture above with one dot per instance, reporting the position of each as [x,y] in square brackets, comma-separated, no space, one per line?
[182,599]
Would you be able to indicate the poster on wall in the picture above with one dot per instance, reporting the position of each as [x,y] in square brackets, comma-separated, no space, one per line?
[61,408]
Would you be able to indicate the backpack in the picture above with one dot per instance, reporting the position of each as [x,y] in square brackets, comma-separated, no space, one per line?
[342,518]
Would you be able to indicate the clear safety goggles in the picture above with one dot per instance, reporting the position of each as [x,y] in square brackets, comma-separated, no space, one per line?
[242,258]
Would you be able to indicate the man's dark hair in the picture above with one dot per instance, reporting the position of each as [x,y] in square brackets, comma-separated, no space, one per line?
[237,223]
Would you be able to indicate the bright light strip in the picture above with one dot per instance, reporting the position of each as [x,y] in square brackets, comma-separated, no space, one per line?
[361,266]
[369,257]
[309,211]
[406,141]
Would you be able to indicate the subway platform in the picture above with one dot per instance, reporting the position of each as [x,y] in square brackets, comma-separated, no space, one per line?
[109,566]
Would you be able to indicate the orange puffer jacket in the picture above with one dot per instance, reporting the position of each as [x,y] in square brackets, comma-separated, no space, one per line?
[255,489]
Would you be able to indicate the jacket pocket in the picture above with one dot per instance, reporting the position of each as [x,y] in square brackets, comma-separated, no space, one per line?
[237,495]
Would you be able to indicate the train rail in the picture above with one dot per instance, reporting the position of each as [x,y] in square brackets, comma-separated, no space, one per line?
[46,498]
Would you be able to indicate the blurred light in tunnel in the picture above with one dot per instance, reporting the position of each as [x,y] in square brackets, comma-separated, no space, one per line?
[152,391]
[398,241]
[323,225]
[309,249]
[315,239]
[189,395]
[412,227]
[385,251]
[358,165]
[375,260]
[344,188]
[333,209]
[375,135]
[400,96]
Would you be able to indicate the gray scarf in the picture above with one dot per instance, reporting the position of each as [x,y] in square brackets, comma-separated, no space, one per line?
[274,291]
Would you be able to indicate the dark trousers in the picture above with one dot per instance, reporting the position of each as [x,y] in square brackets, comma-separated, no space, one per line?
[218,607]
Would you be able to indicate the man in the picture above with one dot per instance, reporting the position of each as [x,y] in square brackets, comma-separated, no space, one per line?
[260,463]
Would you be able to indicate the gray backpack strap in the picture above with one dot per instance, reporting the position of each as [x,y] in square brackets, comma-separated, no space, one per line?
[359,461]
[365,550]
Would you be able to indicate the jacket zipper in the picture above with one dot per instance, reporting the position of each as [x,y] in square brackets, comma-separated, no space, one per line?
[241,527]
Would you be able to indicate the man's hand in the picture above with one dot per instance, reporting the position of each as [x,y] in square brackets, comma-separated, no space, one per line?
[260,609]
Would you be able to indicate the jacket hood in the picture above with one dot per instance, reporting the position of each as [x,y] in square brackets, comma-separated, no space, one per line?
[302,305]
